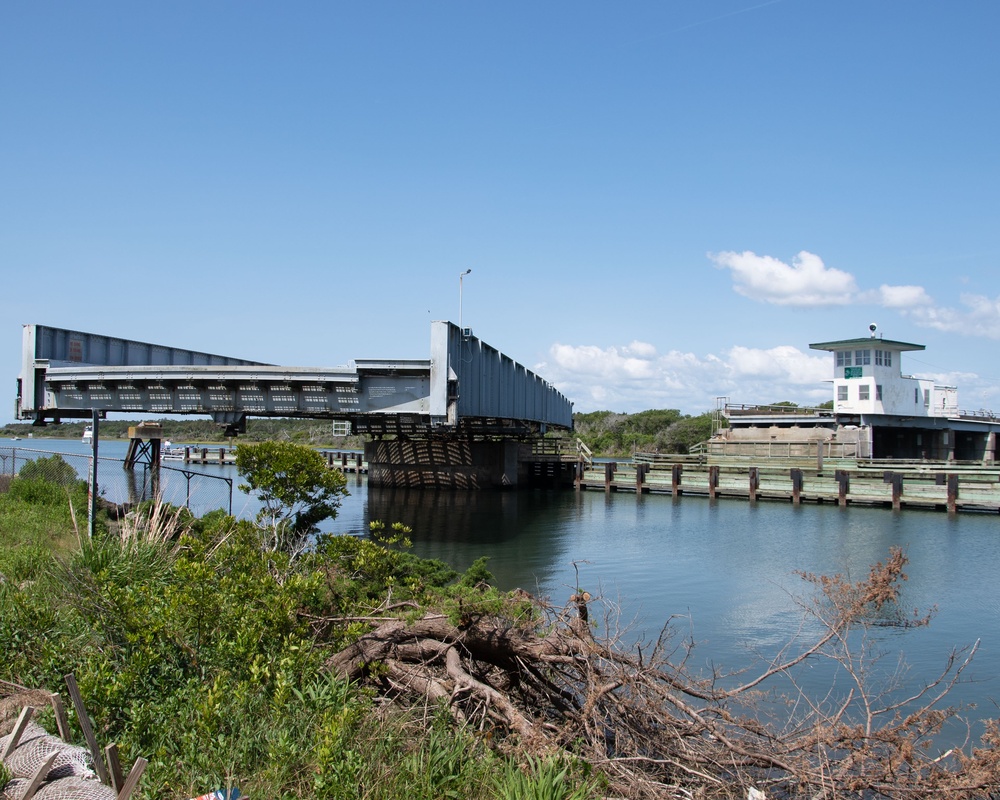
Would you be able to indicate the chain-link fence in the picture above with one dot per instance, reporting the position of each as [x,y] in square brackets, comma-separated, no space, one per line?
[198,491]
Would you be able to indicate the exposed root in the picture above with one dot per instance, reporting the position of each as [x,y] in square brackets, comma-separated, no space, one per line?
[657,730]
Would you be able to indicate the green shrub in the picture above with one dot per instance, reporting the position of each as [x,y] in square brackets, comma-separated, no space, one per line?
[53,469]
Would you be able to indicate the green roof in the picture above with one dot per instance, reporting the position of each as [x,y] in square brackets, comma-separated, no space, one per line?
[865,341]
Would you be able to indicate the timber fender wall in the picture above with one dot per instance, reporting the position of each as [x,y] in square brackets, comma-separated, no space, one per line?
[444,463]
[933,486]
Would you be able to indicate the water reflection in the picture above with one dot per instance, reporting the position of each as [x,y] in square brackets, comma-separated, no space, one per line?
[524,534]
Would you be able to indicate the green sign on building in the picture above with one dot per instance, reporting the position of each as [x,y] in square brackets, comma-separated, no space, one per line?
[852,372]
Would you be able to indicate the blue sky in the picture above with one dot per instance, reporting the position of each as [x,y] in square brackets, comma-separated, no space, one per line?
[661,202]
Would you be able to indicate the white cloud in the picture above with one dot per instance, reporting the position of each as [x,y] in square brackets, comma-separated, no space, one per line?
[635,378]
[903,297]
[808,283]
[980,317]
[804,282]
[785,363]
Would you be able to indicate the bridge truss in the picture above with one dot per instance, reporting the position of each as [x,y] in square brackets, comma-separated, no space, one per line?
[466,387]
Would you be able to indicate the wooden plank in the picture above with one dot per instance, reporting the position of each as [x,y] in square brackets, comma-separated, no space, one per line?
[87,728]
[62,720]
[15,735]
[114,766]
[133,778]
[39,776]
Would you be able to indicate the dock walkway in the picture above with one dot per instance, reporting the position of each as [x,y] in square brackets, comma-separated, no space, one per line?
[950,486]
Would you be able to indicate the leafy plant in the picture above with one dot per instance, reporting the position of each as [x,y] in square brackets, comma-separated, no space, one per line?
[295,486]
[544,779]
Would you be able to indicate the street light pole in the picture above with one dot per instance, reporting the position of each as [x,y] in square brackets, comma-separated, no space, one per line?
[460,276]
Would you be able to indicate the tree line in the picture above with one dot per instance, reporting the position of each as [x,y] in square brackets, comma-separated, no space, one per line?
[606,433]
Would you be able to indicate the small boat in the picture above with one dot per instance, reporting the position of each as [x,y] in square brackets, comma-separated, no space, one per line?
[172,454]
[88,435]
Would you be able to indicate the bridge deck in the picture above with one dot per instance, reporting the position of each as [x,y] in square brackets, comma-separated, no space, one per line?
[465,385]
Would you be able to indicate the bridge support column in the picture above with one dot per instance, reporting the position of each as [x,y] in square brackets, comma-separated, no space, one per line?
[445,463]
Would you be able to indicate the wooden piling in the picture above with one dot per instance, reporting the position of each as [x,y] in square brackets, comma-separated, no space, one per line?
[895,480]
[609,475]
[675,479]
[640,477]
[843,478]
[754,483]
[796,476]
[713,481]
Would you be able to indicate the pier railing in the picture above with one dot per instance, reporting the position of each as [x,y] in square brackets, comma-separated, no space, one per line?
[743,409]
[561,449]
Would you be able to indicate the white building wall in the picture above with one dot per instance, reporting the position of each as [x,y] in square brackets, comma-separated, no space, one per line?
[902,396]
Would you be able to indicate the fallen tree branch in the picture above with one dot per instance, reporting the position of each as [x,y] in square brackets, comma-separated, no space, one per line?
[652,725]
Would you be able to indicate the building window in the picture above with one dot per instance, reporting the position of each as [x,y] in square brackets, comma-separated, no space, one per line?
[927,397]
[864,392]
[888,358]
[862,357]
[878,358]
[916,395]
[878,392]
[843,358]
[841,394]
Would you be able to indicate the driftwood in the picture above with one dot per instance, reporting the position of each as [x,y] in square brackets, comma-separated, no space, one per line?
[656,729]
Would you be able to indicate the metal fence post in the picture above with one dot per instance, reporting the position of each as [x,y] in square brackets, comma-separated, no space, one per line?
[92,515]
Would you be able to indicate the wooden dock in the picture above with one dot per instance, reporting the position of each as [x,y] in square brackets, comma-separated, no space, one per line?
[191,454]
[346,461]
[945,486]
[350,461]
